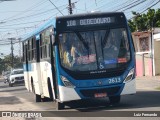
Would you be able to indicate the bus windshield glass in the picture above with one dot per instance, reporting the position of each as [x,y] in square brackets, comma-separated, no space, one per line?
[94,50]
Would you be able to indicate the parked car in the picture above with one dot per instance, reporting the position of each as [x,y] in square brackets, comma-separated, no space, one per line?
[16,77]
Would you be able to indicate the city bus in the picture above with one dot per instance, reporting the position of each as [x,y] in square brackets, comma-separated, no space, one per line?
[79,57]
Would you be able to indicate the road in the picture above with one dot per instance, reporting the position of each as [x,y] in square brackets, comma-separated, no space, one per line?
[17,98]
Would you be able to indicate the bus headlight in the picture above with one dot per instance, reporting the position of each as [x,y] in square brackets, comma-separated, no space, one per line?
[66,82]
[130,75]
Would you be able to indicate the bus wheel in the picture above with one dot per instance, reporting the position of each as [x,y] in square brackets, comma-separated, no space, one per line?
[50,90]
[38,98]
[114,99]
[32,85]
[60,106]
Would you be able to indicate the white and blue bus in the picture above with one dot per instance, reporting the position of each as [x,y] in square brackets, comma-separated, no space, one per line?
[80,57]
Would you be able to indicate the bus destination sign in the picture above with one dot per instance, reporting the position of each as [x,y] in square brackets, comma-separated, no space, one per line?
[90,21]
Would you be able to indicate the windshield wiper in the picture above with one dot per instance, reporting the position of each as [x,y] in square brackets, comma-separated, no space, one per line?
[102,48]
[105,38]
[82,40]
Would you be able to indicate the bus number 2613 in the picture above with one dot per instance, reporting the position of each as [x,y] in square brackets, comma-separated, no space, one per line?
[114,80]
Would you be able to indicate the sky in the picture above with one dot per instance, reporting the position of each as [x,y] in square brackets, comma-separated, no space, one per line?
[19,17]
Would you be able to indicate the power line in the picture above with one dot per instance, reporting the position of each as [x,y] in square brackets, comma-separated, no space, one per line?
[32,10]
[134,5]
[146,5]
[147,9]
[27,16]
[151,6]
[124,6]
[20,18]
[31,26]
[23,23]
[110,3]
[55,6]
[37,4]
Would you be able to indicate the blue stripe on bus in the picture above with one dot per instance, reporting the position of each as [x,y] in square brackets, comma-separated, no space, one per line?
[30,67]
[58,71]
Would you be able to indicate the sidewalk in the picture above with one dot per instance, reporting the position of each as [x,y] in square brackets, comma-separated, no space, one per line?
[148,82]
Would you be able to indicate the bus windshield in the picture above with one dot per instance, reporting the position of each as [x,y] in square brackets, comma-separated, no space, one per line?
[94,50]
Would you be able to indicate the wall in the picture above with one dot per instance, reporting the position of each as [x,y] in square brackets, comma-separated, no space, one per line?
[157,57]
[139,65]
[143,64]
[143,57]
[148,64]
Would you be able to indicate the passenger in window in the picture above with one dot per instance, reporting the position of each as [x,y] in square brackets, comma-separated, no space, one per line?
[75,52]
[67,59]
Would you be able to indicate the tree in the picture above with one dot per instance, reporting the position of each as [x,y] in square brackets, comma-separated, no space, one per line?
[5,63]
[143,22]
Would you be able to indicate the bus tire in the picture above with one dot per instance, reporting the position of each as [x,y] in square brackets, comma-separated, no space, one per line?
[60,106]
[115,99]
[50,90]
[32,85]
[45,99]
[38,98]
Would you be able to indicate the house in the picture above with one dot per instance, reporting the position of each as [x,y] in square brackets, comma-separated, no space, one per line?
[147,48]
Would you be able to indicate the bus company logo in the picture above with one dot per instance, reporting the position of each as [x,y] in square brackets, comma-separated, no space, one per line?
[99,82]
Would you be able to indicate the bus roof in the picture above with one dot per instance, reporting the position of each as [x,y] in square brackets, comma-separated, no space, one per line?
[53,21]
[89,14]
[41,28]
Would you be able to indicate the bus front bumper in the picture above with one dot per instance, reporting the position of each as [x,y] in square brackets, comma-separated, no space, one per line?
[69,94]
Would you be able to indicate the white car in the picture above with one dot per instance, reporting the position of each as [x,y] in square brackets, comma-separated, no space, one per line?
[16,77]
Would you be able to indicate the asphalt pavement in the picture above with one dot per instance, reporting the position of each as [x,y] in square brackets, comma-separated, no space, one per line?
[146,99]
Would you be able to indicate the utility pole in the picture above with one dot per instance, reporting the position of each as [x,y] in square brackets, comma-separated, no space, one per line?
[12,55]
[20,48]
[70,7]
[152,45]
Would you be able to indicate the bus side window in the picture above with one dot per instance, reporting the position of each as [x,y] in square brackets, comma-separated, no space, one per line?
[43,46]
[29,57]
[33,49]
[26,51]
[40,46]
[37,53]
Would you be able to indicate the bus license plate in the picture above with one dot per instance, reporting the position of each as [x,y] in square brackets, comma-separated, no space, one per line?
[97,95]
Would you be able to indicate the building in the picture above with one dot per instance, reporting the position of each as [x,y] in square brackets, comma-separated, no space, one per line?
[147,47]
